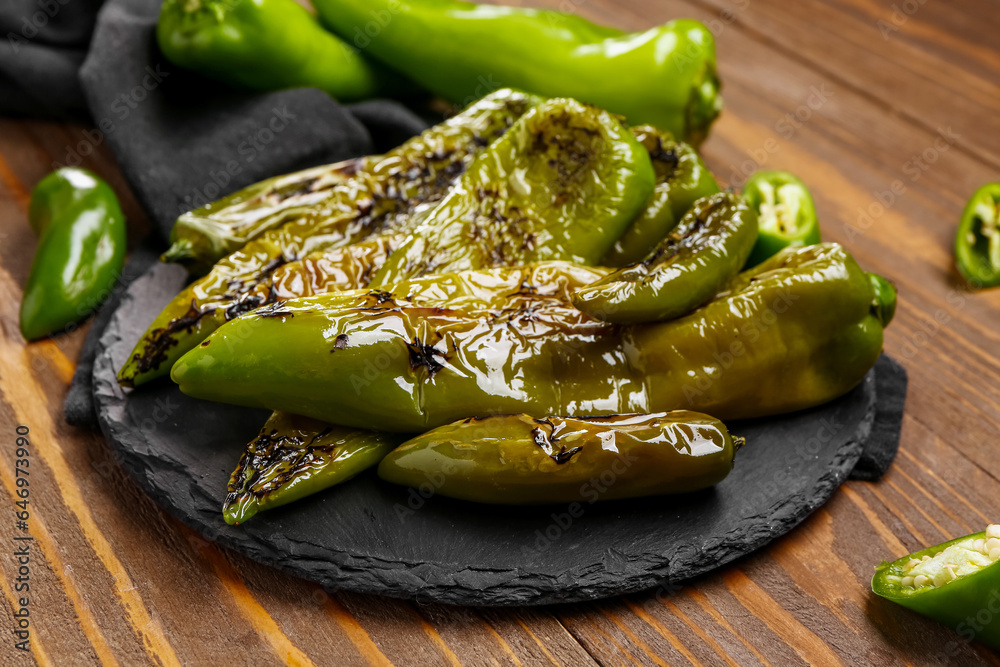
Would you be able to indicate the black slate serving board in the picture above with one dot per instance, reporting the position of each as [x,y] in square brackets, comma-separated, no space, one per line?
[373,537]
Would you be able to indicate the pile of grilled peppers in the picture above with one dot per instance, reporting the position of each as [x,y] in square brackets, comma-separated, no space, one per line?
[514,302]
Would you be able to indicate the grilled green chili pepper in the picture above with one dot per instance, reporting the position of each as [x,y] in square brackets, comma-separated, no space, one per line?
[81,252]
[977,244]
[294,457]
[785,211]
[520,460]
[692,263]
[681,179]
[562,184]
[267,45]
[382,197]
[956,583]
[797,331]
[665,76]
[202,237]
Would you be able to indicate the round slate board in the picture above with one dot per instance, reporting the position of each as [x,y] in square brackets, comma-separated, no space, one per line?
[373,537]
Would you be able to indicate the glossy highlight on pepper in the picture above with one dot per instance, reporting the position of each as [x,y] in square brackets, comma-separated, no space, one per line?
[205,235]
[80,254]
[562,184]
[681,179]
[294,457]
[956,583]
[691,264]
[797,331]
[385,196]
[520,460]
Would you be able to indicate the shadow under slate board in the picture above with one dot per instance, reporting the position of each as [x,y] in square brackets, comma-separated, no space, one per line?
[373,537]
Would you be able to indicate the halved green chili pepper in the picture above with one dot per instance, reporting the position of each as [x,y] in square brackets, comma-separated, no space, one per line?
[294,457]
[665,76]
[202,237]
[382,197]
[563,184]
[81,252]
[977,244]
[797,331]
[956,583]
[785,211]
[268,45]
[681,179]
[692,263]
[521,460]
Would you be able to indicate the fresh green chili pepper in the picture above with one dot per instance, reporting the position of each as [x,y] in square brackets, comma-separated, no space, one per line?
[520,460]
[665,76]
[294,457]
[563,184]
[681,179]
[202,237]
[382,197]
[692,263]
[956,583]
[268,45]
[977,244]
[81,252]
[785,211]
[797,331]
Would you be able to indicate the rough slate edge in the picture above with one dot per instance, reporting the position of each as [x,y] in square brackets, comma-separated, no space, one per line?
[451,582]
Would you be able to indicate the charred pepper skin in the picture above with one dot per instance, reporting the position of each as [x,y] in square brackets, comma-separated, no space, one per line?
[693,262]
[80,254]
[294,457]
[268,45]
[953,596]
[521,460]
[798,331]
[681,179]
[977,242]
[665,76]
[384,197]
[202,237]
[785,210]
[562,184]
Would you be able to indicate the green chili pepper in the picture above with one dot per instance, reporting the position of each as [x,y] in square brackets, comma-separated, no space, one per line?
[786,213]
[520,460]
[81,252]
[956,583]
[977,244]
[563,184]
[797,331]
[383,197]
[692,263]
[202,237]
[294,457]
[665,76]
[681,179]
[268,45]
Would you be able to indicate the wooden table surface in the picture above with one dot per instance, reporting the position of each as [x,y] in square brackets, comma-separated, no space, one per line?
[888,109]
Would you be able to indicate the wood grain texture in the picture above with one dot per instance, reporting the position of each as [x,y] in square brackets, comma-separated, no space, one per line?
[820,87]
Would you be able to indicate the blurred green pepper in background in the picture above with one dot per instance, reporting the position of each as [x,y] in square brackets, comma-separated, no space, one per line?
[81,252]
[267,45]
[665,76]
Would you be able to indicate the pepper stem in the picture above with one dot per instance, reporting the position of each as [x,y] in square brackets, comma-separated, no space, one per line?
[181,252]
